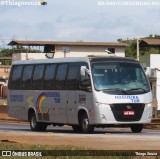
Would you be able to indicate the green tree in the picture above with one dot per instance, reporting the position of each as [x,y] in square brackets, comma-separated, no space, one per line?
[130,50]
[9,51]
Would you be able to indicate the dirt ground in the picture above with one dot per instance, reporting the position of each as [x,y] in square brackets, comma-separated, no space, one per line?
[3,114]
[106,141]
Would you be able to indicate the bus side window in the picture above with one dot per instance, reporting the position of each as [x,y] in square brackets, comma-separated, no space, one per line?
[85,82]
[48,82]
[72,77]
[60,83]
[27,77]
[38,77]
[15,81]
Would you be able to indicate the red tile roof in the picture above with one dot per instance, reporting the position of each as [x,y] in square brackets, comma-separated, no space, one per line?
[79,43]
[151,41]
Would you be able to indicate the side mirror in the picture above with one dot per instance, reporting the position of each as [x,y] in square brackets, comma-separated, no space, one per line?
[83,72]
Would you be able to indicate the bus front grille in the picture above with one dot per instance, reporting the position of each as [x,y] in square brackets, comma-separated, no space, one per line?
[127,112]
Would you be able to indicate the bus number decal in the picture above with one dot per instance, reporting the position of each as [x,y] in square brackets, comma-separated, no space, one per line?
[82,98]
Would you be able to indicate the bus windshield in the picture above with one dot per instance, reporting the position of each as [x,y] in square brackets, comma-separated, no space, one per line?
[119,78]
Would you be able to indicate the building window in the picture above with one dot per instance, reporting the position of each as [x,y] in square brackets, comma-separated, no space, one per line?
[112,50]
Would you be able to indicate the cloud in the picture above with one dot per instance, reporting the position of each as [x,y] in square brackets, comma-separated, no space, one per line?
[78,20]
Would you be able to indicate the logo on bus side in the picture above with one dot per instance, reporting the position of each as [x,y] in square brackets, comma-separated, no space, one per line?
[45,95]
[16,98]
[134,99]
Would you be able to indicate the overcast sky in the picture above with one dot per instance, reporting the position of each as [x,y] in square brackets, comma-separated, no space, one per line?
[73,20]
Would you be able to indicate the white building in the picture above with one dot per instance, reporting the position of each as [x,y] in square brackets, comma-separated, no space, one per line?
[68,49]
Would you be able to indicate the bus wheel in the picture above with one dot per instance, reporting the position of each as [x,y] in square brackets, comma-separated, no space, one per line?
[36,126]
[136,128]
[85,127]
[76,128]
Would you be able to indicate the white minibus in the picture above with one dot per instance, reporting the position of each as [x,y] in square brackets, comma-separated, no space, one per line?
[83,93]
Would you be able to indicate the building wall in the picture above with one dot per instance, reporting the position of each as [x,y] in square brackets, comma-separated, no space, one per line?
[74,51]
[81,51]
[155,63]
[4,71]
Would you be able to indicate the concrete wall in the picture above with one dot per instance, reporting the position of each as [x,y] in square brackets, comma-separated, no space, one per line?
[28,56]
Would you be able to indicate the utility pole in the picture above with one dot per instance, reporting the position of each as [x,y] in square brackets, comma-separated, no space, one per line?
[65,51]
[138,49]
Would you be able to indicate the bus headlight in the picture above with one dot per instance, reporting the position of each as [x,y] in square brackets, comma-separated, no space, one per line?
[103,105]
[148,105]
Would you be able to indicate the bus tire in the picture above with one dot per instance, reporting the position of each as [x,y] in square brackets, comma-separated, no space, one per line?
[136,128]
[36,126]
[84,125]
[76,128]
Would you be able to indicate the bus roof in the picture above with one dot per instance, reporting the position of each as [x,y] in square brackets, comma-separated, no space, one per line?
[79,59]
[54,60]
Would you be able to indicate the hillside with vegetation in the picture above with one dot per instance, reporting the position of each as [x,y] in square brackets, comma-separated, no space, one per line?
[131,49]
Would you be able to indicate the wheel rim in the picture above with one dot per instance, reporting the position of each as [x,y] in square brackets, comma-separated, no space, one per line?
[85,123]
[33,121]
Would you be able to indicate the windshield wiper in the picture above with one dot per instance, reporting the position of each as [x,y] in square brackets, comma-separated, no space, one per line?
[115,89]
[136,89]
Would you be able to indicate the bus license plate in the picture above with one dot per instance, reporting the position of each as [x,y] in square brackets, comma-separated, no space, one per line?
[128,112]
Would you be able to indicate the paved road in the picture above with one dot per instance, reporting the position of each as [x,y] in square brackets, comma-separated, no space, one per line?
[108,138]
[67,130]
